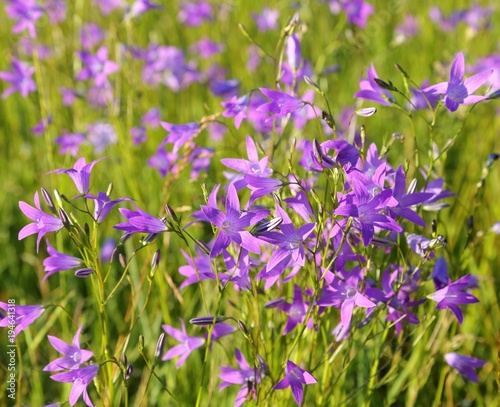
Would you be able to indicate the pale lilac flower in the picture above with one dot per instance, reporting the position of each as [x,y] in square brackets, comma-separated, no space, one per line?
[206,48]
[236,108]
[294,378]
[459,91]
[80,378]
[69,95]
[41,126]
[151,118]
[267,19]
[74,355]
[19,78]
[26,13]
[24,315]
[180,134]
[139,135]
[91,35]
[163,161]
[80,174]
[184,349]
[56,10]
[464,364]
[43,222]
[407,29]
[281,104]
[141,6]
[357,11]
[248,377]
[101,135]
[58,261]
[108,6]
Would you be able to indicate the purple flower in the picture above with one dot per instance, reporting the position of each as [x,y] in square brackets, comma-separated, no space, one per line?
[464,364]
[58,261]
[91,35]
[26,13]
[19,78]
[357,11]
[24,315]
[247,376]
[454,294]
[141,222]
[294,378]
[236,108]
[267,19]
[206,48]
[80,174]
[371,91]
[96,67]
[56,10]
[180,134]
[41,126]
[141,6]
[296,310]
[184,349]
[43,222]
[69,143]
[197,269]
[281,104]
[232,223]
[164,161]
[80,378]
[139,135]
[151,118]
[73,355]
[103,204]
[457,91]
[192,14]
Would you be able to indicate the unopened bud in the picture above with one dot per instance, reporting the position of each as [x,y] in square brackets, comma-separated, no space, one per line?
[154,263]
[141,343]
[277,302]
[489,162]
[310,82]
[159,347]
[470,222]
[263,365]
[384,85]
[243,327]
[328,118]
[171,213]
[434,226]
[123,359]
[58,198]
[110,189]
[84,273]
[400,69]
[266,226]
[207,320]
[122,260]
[48,200]
[64,218]
[150,238]
[86,229]
[366,112]
[203,246]
[128,371]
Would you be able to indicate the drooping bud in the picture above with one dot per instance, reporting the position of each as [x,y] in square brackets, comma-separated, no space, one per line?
[491,159]
[150,238]
[64,218]
[128,371]
[84,273]
[207,320]
[48,200]
[384,85]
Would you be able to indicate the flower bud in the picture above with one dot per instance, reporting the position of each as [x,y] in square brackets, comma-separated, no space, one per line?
[141,343]
[400,69]
[110,189]
[207,320]
[274,303]
[159,347]
[384,85]
[154,263]
[263,365]
[84,273]
[128,371]
[58,198]
[366,112]
[48,200]
[171,213]
[64,218]
[123,359]
[243,327]
[122,260]
[266,226]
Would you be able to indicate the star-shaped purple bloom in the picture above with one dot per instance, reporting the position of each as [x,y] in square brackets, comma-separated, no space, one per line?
[457,91]
[232,223]
[80,378]
[247,376]
[294,378]
[236,108]
[184,349]
[454,294]
[26,13]
[74,355]
[296,310]
[43,222]
[464,364]
[19,78]
[24,315]
[180,134]
[281,104]
[103,204]
[80,174]
[96,67]
[141,222]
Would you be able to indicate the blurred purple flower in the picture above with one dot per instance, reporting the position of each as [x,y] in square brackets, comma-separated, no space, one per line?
[151,118]
[108,6]
[357,11]
[192,14]
[236,108]
[56,10]
[464,364]
[180,134]
[43,223]
[41,126]
[142,6]
[24,315]
[457,91]
[206,48]
[108,248]
[80,378]
[138,134]
[19,78]
[26,13]
[281,104]
[101,135]
[407,29]
[267,19]
[69,95]
[91,35]
[184,349]
[96,67]
[163,161]
[74,355]
[294,378]
[70,143]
